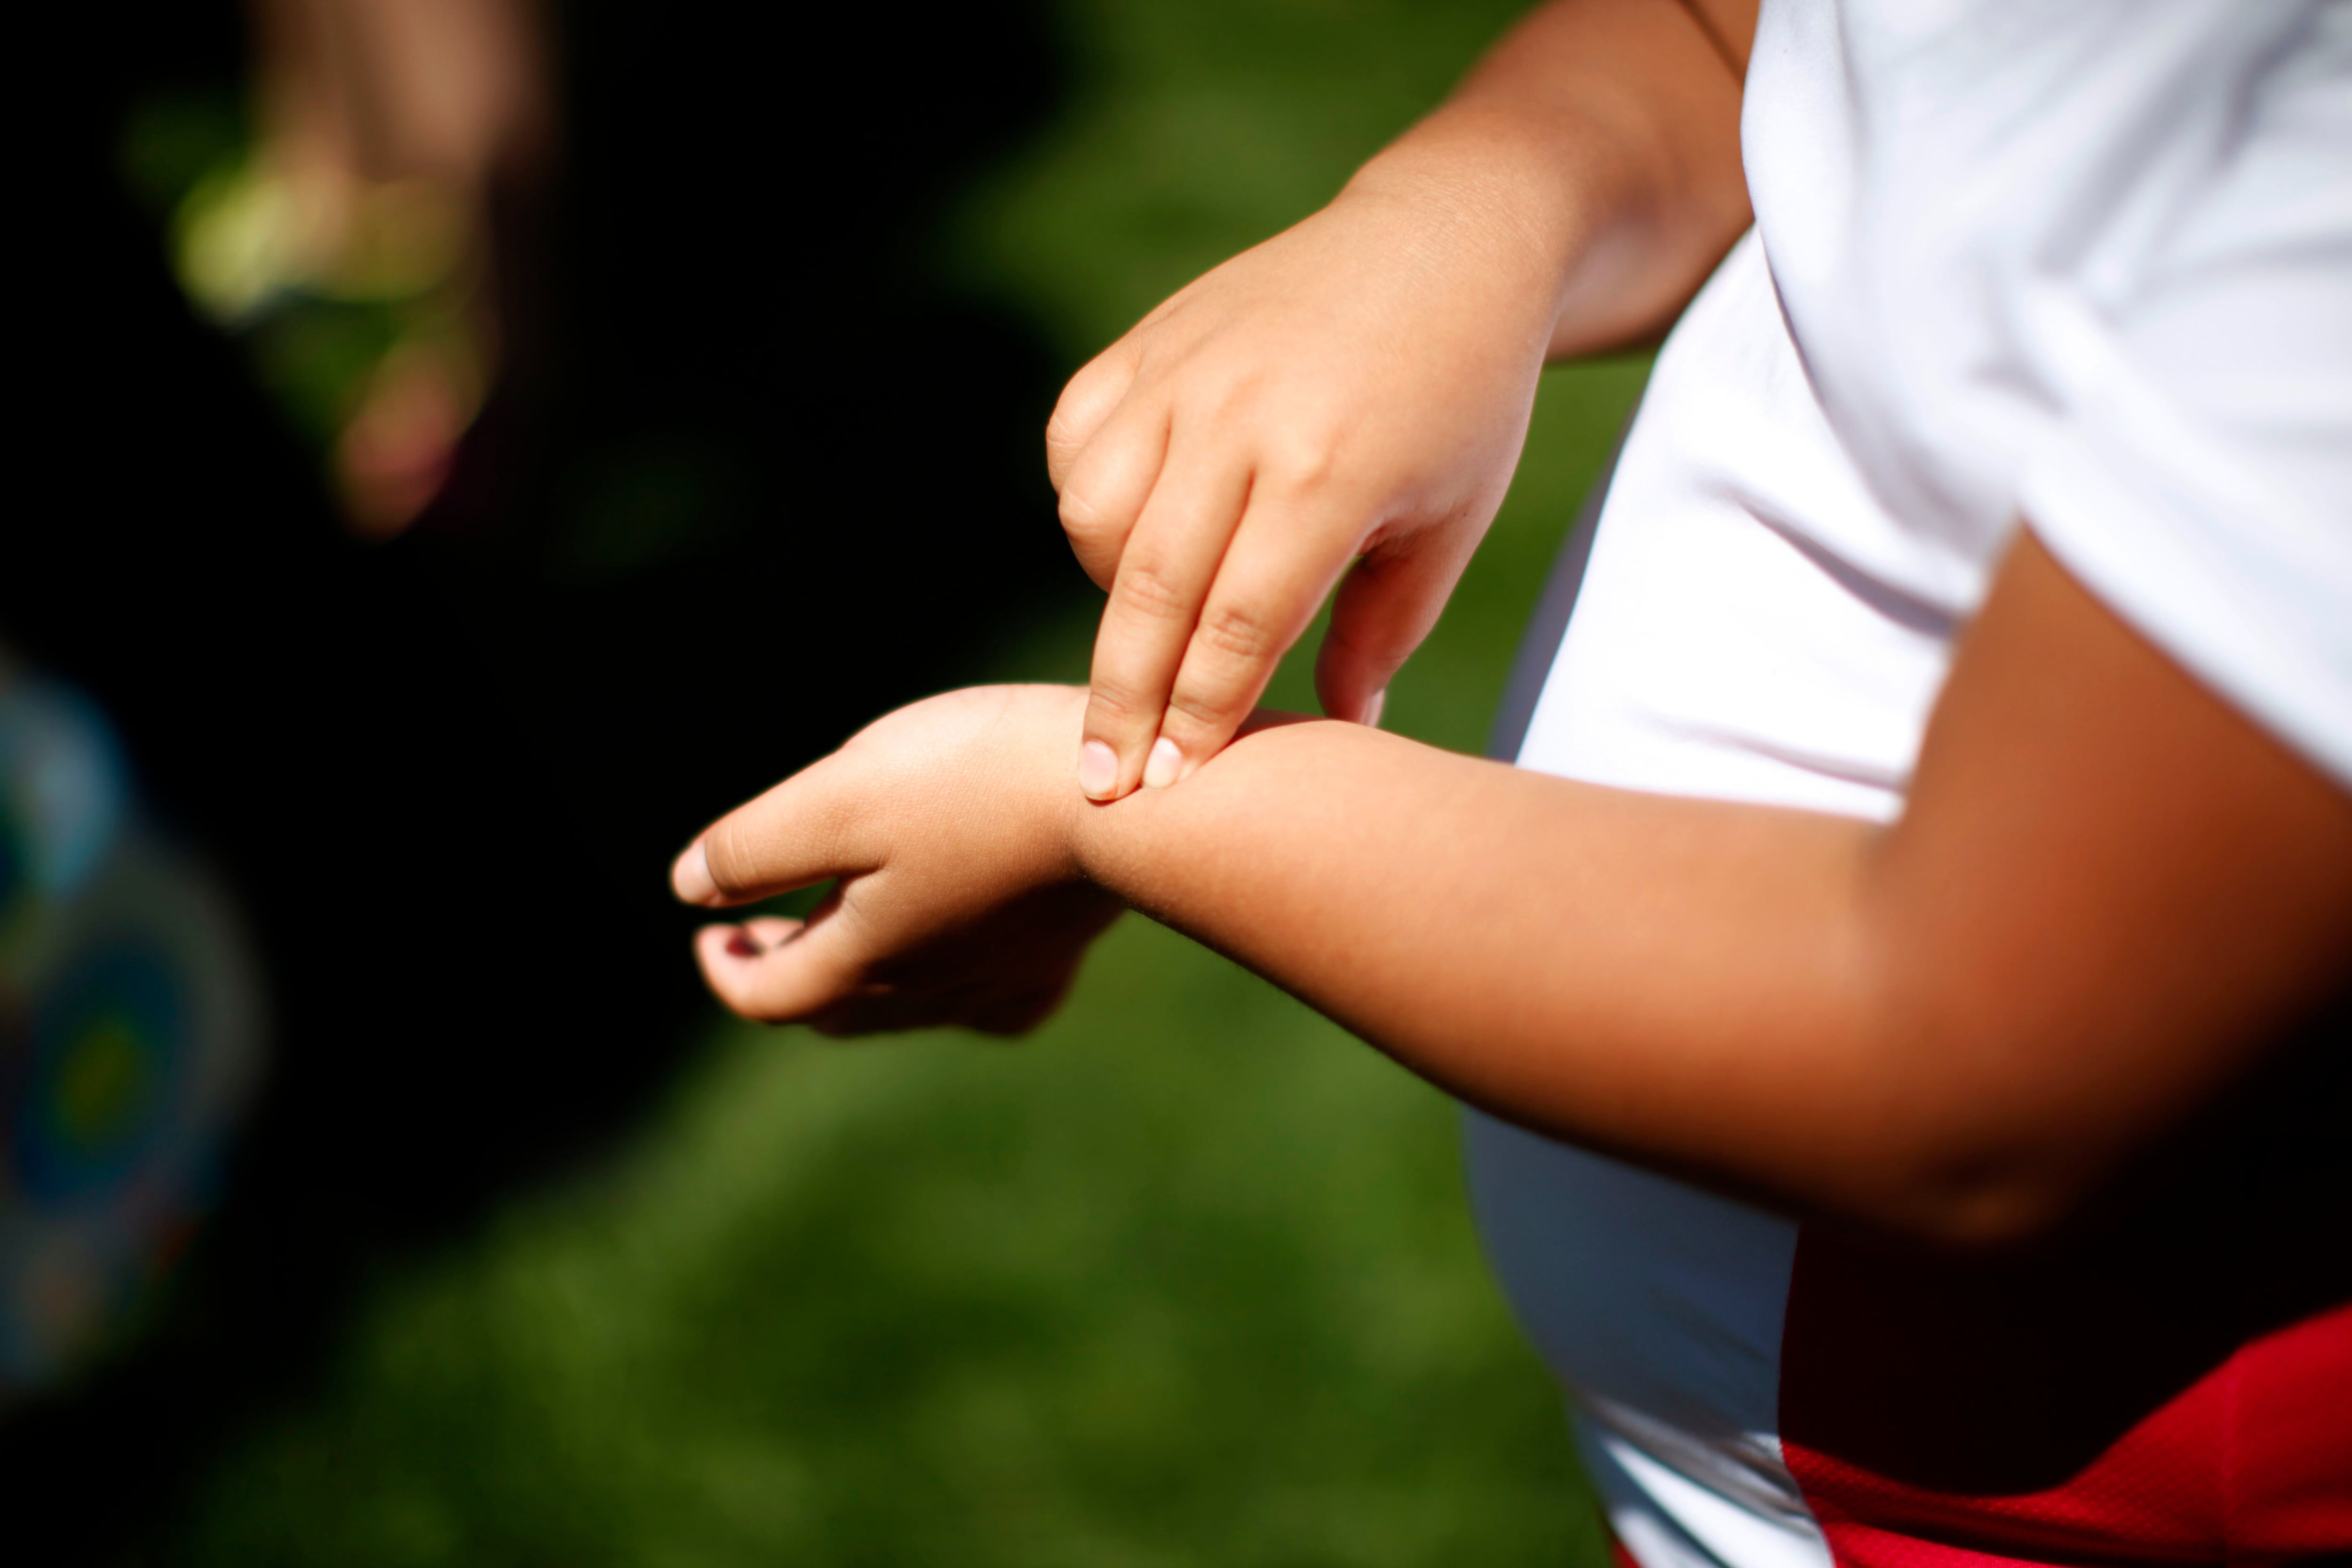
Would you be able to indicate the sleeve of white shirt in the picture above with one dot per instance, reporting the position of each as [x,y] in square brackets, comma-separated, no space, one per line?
[2198,476]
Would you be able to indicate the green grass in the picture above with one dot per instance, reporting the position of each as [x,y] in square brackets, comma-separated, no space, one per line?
[1186,1279]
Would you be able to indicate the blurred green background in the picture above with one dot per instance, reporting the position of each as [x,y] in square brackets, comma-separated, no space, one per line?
[1186,1277]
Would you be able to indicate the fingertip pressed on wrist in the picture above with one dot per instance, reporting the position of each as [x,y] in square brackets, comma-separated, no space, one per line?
[1097,770]
[1164,766]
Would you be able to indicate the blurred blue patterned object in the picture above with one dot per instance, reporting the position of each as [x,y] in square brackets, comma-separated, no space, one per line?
[130,1039]
[62,789]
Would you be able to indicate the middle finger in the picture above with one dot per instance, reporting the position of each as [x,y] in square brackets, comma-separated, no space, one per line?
[1171,558]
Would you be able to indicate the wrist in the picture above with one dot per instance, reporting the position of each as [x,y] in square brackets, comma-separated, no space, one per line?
[1483,180]
[1055,803]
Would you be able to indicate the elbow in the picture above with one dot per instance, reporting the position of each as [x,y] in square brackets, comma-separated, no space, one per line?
[1987,1197]
[1978,1132]
[1988,1215]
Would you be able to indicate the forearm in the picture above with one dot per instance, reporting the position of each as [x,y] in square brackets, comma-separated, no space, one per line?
[1776,1003]
[1685,983]
[1598,148]
[2108,900]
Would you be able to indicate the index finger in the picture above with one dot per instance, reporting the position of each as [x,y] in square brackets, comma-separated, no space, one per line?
[1283,560]
[799,833]
[1164,574]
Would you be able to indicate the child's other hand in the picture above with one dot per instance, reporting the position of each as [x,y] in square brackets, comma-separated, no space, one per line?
[1359,385]
[948,824]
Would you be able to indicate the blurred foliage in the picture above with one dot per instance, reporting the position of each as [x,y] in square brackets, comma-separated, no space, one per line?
[325,308]
[172,140]
[1183,1279]
[1202,128]
[1187,1278]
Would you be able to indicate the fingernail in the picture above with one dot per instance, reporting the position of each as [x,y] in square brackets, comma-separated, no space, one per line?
[1097,769]
[690,878]
[1161,768]
[1372,709]
[743,944]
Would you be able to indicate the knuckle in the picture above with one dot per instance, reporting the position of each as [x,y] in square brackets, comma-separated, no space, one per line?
[1077,392]
[1066,433]
[1083,515]
[1238,629]
[1210,711]
[1062,426]
[1223,392]
[1115,703]
[728,857]
[1085,398]
[1148,588]
[1304,463]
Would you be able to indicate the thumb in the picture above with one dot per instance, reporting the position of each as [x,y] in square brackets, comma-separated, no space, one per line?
[779,971]
[1384,608]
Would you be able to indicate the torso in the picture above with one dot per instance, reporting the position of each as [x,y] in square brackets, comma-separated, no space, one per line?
[1782,564]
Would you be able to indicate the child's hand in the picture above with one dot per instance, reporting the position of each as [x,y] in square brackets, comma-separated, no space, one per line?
[948,825]
[1359,385]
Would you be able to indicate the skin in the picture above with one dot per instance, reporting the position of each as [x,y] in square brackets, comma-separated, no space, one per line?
[1358,388]
[2109,897]
[2110,900]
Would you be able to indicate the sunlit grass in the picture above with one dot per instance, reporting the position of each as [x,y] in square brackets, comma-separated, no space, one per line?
[1183,1279]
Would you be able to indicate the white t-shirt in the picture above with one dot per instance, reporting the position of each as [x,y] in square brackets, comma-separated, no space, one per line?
[2087,264]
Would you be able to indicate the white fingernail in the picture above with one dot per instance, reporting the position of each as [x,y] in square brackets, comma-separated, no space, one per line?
[1372,709]
[1097,769]
[1159,770]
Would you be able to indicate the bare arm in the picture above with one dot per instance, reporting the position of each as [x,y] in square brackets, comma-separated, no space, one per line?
[1607,134]
[2109,895]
